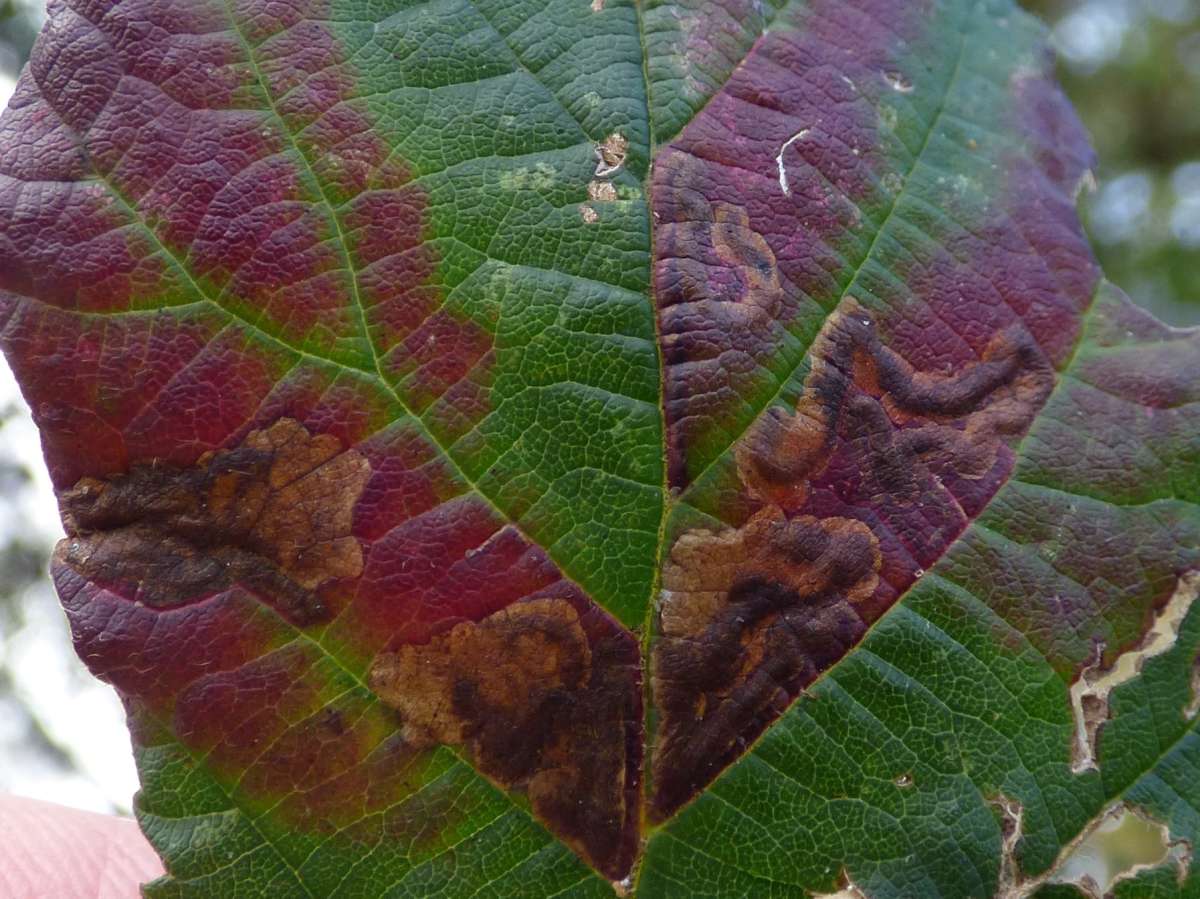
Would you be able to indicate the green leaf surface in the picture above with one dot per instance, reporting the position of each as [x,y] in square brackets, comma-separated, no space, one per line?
[683,448]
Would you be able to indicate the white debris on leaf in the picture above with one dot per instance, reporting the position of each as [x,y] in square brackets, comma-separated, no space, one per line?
[610,155]
[783,178]
[1086,184]
[1089,694]
[1012,824]
[602,191]
[610,159]
[899,82]
[1193,707]
[849,890]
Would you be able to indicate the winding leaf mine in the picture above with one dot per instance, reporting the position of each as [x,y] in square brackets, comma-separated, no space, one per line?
[512,447]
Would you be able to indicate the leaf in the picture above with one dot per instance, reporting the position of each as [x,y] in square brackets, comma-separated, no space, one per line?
[512,447]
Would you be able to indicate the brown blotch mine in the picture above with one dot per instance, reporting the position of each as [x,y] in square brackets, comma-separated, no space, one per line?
[747,252]
[749,616]
[782,451]
[273,515]
[539,708]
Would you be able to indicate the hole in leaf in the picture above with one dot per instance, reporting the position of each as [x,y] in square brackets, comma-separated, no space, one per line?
[1089,694]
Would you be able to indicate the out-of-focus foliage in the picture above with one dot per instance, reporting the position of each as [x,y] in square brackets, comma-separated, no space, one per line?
[24,740]
[61,732]
[18,28]
[1132,68]
[22,562]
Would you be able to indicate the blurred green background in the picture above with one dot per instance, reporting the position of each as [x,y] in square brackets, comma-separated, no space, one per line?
[1132,68]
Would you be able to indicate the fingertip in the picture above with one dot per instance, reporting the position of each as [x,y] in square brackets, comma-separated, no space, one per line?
[48,850]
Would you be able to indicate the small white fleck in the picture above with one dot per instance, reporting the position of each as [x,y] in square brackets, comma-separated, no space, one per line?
[899,81]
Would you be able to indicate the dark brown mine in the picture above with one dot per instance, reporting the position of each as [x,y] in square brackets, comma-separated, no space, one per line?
[751,615]
[273,515]
[540,705]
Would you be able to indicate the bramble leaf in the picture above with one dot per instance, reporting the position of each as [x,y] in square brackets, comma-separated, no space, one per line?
[536,449]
